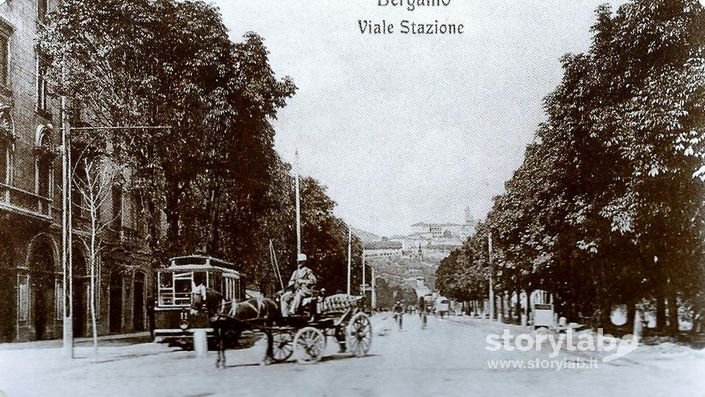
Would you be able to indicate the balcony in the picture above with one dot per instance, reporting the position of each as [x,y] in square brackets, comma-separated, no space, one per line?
[26,203]
[131,236]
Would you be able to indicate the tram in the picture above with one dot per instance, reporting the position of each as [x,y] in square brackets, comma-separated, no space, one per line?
[174,320]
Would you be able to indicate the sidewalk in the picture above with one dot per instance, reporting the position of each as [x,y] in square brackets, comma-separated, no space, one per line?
[666,356]
[117,339]
[486,323]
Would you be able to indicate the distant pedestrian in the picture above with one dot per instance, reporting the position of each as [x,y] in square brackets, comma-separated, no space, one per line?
[422,311]
[398,314]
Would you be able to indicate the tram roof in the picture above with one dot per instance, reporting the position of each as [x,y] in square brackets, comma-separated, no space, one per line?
[200,262]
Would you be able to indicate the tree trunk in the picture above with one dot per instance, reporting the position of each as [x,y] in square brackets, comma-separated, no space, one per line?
[172,220]
[510,314]
[93,259]
[660,282]
[501,305]
[672,312]
[660,310]
[528,305]
[153,225]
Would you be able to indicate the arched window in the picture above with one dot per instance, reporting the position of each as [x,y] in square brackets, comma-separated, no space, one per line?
[42,85]
[117,196]
[7,139]
[5,34]
[4,160]
[44,172]
[42,7]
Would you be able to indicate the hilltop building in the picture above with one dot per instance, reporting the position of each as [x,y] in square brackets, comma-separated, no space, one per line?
[444,237]
[446,230]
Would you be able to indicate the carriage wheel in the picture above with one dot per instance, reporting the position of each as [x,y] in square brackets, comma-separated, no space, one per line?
[358,334]
[282,345]
[309,345]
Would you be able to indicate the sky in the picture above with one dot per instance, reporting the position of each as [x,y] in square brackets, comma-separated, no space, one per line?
[408,128]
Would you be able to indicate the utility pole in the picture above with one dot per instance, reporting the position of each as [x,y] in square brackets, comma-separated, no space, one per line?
[374,290]
[349,255]
[66,266]
[491,292]
[298,211]
[364,286]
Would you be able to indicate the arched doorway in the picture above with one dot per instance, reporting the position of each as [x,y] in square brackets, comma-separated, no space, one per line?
[138,302]
[8,293]
[80,293]
[42,274]
[115,315]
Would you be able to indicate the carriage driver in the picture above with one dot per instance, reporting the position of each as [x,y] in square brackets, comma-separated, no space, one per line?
[299,287]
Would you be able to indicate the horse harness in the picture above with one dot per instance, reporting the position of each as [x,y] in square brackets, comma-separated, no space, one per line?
[232,313]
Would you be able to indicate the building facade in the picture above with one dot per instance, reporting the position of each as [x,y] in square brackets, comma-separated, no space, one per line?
[446,230]
[31,270]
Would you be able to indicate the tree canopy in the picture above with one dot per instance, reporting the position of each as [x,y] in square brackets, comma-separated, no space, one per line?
[608,205]
[204,163]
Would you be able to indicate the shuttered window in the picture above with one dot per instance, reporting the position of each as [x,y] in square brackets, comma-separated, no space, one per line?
[23,298]
[4,60]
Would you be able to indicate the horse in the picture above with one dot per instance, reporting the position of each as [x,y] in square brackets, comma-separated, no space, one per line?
[229,318]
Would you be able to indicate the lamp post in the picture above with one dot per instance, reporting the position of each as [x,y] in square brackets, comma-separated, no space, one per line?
[364,286]
[298,209]
[66,236]
[349,256]
[374,290]
[491,286]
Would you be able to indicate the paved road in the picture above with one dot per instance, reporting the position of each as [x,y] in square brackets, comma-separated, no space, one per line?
[449,358]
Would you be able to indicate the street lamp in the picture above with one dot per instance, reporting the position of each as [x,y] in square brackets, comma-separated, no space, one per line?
[349,256]
[491,287]
[364,289]
[65,237]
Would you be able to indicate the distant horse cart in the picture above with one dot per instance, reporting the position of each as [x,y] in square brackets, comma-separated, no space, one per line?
[442,306]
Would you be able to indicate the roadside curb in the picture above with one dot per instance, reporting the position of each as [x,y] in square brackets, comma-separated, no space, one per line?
[138,337]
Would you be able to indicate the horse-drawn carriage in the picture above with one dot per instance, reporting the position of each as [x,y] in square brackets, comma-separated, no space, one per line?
[201,292]
[305,336]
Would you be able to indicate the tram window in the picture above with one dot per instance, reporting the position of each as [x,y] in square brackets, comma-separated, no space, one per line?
[215,281]
[165,280]
[229,288]
[183,286]
[199,278]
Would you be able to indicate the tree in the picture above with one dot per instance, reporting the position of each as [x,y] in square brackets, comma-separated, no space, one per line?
[170,63]
[605,208]
[95,175]
[213,172]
